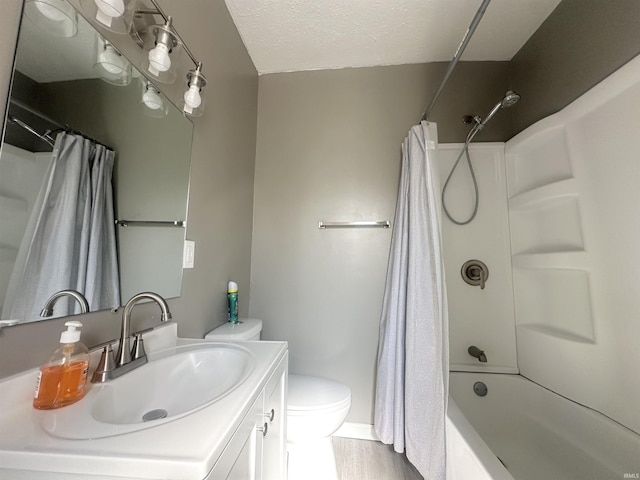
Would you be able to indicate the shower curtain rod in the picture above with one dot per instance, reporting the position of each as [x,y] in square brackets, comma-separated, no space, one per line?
[45,137]
[37,113]
[59,126]
[458,54]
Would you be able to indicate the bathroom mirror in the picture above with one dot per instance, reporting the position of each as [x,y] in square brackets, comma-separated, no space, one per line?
[55,80]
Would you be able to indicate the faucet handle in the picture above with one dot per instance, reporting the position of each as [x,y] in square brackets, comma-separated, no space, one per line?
[106,365]
[138,347]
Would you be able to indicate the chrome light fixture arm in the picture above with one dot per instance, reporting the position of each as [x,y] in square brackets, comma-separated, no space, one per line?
[167,37]
[167,19]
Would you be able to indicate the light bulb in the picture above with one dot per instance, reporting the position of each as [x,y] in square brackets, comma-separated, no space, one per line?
[151,98]
[111,61]
[159,60]
[192,99]
[51,11]
[108,10]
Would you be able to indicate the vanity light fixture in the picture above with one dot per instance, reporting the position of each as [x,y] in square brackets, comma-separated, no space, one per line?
[193,97]
[110,66]
[152,101]
[114,15]
[56,17]
[164,46]
[164,53]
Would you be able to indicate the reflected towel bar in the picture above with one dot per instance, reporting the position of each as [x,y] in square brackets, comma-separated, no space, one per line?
[380,224]
[151,223]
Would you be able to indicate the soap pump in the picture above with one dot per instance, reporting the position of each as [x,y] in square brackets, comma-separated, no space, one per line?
[62,381]
[232,299]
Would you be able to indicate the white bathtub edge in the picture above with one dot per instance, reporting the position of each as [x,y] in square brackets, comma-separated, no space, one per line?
[468,456]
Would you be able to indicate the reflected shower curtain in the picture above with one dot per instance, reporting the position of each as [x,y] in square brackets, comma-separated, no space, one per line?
[412,374]
[70,240]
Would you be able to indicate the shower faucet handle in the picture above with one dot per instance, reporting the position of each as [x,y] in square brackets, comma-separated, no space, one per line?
[475,273]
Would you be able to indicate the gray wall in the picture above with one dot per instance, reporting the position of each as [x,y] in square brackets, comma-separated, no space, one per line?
[579,44]
[222,167]
[329,149]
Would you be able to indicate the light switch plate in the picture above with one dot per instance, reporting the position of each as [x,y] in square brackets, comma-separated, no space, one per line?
[189,253]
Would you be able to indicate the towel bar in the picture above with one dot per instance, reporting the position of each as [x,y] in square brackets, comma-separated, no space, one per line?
[379,224]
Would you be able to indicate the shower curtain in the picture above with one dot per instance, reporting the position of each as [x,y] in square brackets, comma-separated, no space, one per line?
[70,241]
[412,374]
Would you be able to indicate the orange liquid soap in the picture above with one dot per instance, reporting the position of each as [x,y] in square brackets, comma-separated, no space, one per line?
[60,385]
[63,380]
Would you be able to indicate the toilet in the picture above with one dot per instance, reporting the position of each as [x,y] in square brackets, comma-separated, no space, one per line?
[316,408]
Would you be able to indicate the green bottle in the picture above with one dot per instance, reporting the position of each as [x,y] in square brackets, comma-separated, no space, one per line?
[232,299]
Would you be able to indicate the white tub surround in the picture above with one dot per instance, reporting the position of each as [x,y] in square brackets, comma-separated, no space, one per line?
[480,317]
[182,449]
[541,435]
[573,208]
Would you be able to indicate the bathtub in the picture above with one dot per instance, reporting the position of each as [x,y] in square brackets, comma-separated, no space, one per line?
[468,456]
[535,433]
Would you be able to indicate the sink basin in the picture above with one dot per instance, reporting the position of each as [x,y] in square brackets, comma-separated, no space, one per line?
[178,382]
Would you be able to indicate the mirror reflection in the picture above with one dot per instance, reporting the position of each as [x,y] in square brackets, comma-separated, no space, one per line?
[94,174]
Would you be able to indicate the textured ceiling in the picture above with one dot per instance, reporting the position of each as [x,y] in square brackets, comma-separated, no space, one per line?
[294,35]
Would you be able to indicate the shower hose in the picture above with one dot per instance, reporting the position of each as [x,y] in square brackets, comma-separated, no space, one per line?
[465,151]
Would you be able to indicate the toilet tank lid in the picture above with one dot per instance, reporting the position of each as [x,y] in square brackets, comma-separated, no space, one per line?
[316,393]
[245,329]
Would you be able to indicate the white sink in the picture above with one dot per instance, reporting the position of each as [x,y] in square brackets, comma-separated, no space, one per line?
[177,382]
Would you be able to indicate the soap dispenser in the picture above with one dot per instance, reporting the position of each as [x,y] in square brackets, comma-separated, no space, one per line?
[62,381]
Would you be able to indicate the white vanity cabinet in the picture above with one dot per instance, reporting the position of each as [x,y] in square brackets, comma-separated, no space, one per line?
[257,450]
[242,457]
[274,446]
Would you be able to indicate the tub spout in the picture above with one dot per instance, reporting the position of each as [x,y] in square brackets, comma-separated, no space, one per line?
[477,353]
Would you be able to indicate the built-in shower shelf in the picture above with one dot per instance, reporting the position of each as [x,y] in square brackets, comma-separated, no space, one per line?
[532,198]
[556,332]
[574,260]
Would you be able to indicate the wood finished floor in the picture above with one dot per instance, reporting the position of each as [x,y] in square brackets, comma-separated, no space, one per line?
[369,460]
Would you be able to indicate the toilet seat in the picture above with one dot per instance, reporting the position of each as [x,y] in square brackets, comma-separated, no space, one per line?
[316,396]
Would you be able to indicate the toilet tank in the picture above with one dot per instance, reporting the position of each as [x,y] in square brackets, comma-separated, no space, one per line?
[245,329]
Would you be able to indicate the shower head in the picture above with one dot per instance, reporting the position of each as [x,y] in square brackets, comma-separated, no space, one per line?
[510,98]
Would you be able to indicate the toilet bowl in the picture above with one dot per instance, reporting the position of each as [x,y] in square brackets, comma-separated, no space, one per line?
[316,408]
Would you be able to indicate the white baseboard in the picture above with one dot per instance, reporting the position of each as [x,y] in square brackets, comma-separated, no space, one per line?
[361,431]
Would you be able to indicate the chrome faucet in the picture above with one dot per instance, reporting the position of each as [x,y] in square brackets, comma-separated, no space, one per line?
[47,311]
[128,358]
[124,351]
